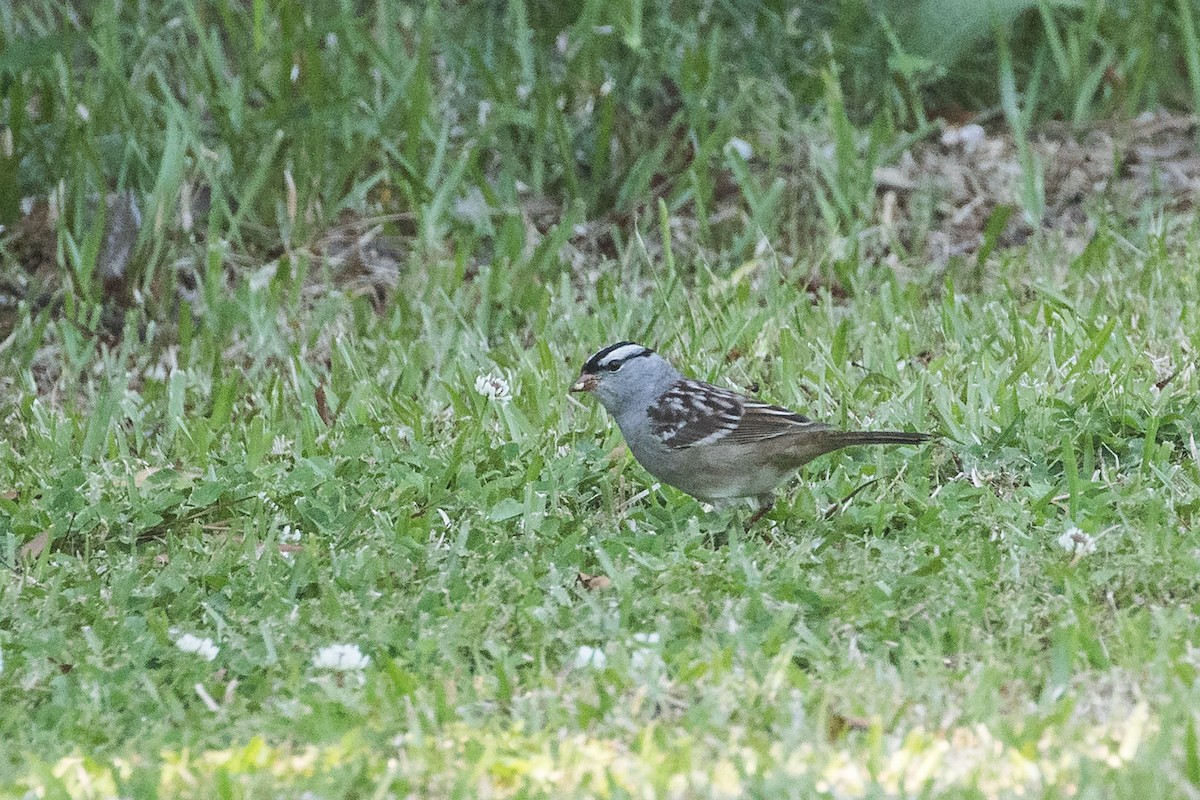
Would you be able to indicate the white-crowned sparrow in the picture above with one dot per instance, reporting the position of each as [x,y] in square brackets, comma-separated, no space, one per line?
[710,442]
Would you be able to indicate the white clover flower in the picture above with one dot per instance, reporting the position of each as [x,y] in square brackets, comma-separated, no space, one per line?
[592,657]
[1076,542]
[202,647]
[494,387]
[341,658]
[741,147]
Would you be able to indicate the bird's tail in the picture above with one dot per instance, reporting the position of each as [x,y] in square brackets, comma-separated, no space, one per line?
[808,448]
[851,438]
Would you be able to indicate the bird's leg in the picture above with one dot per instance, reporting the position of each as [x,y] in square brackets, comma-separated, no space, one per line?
[765,503]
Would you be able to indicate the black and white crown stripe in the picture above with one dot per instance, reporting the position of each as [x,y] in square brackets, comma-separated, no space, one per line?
[614,356]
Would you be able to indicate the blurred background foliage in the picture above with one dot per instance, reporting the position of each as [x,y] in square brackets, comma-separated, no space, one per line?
[263,125]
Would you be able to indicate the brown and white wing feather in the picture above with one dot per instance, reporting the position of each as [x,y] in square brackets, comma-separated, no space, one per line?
[761,421]
[693,413]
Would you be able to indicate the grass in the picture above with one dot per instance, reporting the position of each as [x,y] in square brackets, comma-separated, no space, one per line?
[261,445]
[442,534]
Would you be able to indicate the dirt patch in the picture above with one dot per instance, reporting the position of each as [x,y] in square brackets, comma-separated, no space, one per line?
[943,193]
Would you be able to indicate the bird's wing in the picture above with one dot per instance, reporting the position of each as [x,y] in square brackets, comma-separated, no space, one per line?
[692,413]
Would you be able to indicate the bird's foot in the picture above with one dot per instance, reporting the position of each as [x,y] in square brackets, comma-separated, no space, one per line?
[765,504]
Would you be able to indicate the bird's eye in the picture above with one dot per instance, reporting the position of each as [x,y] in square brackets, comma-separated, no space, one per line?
[613,367]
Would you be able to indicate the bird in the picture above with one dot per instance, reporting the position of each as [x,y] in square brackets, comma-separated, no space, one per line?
[714,444]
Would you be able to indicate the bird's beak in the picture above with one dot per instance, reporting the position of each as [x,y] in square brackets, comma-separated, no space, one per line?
[586,383]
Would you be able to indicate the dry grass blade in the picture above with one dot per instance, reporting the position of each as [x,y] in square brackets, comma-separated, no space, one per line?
[327,416]
[845,501]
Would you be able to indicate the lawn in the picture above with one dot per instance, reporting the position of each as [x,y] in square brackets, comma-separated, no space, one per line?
[298,504]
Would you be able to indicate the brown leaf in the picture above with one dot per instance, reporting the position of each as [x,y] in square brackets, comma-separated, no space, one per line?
[285,547]
[323,406]
[841,724]
[1160,385]
[593,582]
[34,547]
[815,285]
[9,495]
